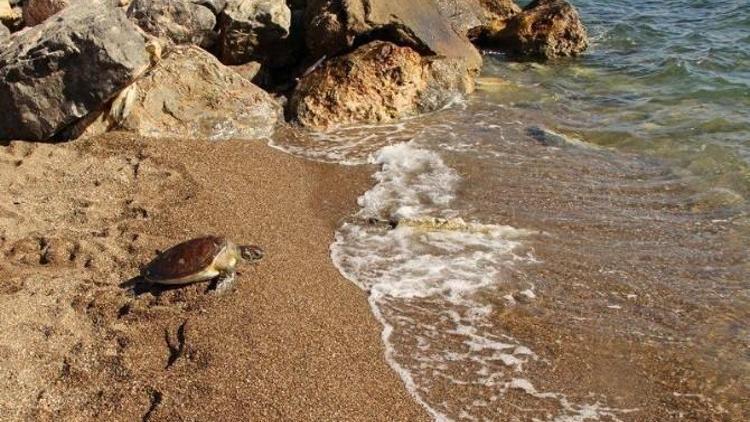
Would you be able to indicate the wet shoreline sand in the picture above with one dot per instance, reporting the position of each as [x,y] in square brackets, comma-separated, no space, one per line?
[295,341]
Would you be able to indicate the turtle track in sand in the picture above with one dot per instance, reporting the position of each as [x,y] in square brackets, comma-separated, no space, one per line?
[95,349]
[69,215]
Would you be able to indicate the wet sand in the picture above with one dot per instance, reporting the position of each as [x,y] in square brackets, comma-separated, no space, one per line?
[78,341]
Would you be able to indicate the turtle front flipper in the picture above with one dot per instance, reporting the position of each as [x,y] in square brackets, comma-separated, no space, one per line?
[225,283]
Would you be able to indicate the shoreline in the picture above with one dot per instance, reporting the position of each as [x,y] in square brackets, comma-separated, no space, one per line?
[295,340]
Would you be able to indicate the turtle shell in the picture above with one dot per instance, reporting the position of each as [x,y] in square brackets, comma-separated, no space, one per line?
[185,259]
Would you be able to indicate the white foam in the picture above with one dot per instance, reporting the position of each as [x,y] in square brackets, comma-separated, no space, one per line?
[571,412]
[412,182]
[425,278]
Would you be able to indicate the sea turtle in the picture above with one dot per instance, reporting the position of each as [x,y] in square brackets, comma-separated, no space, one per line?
[200,259]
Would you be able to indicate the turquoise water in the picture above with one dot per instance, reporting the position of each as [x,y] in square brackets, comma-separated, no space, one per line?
[670,78]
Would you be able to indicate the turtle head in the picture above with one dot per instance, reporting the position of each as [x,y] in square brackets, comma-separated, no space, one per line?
[251,253]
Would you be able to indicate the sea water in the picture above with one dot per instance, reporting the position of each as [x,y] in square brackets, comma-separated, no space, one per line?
[571,242]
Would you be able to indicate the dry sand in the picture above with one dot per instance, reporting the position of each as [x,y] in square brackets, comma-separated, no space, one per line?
[294,341]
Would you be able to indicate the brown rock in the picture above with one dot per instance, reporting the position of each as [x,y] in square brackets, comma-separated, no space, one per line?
[37,11]
[546,29]
[189,94]
[378,82]
[333,27]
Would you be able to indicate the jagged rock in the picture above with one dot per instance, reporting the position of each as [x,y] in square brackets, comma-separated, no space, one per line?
[37,11]
[254,30]
[189,94]
[333,27]
[474,18]
[62,69]
[545,28]
[378,82]
[180,21]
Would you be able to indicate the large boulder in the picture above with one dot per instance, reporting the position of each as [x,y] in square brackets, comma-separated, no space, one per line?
[62,69]
[254,30]
[188,94]
[333,27]
[378,82]
[179,21]
[474,18]
[545,29]
[37,11]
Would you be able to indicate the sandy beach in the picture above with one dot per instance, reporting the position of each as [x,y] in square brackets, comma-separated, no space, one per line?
[78,341]
[468,210]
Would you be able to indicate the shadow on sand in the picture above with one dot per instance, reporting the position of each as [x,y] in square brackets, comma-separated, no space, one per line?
[139,286]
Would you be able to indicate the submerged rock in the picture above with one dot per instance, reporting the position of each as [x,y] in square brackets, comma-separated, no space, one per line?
[180,21]
[333,27]
[4,34]
[545,28]
[189,94]
[378,82]
[64,68]
[37,11]
[253,30]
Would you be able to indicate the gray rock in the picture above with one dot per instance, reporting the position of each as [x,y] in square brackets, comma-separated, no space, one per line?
[254,30]
[180,21]
[333,27]
[62,69]
[189,94]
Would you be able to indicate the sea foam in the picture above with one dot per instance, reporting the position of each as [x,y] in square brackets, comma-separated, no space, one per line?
[428,272]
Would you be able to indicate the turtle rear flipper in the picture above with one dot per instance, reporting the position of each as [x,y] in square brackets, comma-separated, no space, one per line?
[224,284]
